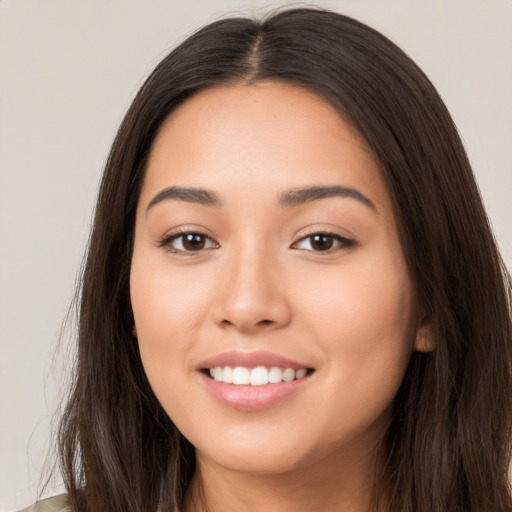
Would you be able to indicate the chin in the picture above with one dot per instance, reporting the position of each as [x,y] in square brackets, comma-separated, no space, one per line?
[254,462]
[256,451]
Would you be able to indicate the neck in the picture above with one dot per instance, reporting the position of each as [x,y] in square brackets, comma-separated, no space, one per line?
[346,487]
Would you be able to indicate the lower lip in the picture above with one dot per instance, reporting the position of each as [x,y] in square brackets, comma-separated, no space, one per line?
[252,398]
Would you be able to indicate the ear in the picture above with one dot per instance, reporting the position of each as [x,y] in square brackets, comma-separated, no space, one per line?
[425,339]
[134,330]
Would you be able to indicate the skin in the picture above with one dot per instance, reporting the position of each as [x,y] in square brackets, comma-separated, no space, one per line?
[259,283]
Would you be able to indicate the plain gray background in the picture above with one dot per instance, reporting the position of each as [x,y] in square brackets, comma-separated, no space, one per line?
[68,71]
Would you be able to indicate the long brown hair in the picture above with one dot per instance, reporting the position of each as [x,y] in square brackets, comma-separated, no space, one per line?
[449,444]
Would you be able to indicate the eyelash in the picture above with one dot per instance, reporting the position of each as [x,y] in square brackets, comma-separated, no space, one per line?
[341,241]
[167,241]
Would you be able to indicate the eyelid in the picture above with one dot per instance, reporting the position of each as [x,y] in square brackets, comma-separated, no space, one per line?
[343,241]
[166,240]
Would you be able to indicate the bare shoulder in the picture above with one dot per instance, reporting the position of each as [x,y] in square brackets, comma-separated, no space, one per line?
[53,504]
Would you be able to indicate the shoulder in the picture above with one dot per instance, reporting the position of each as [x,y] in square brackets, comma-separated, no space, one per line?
[54,504]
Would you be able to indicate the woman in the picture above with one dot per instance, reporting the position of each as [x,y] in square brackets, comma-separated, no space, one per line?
[292,296]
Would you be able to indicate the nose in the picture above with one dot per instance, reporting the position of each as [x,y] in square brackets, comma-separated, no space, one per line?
[252,298]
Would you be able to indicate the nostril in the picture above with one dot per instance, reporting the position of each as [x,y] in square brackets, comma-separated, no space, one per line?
[260,323]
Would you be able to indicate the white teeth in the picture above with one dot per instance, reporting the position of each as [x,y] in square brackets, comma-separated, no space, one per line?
[275,375]
[241,375]
[227,375]
[301,373]
[289,375]
[258,376]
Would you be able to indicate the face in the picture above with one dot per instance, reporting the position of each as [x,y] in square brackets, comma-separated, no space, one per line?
[266,254]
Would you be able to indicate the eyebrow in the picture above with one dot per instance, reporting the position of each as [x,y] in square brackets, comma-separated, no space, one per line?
[188,194]
[299,196]
[294,197]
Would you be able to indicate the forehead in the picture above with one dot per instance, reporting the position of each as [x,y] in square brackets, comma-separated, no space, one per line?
[263,134]
[269,104]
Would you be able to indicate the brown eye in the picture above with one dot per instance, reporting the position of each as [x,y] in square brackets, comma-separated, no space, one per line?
[188,242]
[193,242]
[322,242]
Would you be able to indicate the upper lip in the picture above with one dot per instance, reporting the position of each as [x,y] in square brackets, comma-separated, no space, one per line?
[251,360]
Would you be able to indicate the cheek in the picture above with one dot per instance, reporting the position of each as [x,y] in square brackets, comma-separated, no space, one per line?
[168,308]
[358,304]
[167,304]
[364,320]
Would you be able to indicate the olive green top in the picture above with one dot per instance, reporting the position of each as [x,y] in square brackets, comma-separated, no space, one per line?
[54,504]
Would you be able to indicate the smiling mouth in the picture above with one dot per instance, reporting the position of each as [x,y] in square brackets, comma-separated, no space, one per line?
[257,376]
